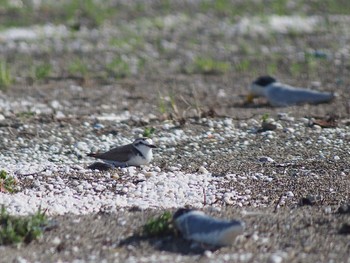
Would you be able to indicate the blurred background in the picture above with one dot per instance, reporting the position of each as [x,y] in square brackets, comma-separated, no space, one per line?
[162,50]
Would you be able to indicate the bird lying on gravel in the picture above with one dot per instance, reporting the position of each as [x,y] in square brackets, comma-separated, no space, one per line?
[282,95]
[195,225]
[134,154]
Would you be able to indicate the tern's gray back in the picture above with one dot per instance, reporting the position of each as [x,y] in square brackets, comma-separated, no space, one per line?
[284,95]
[196,224]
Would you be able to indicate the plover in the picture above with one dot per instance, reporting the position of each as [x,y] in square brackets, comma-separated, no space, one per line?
[134,154]
[281,95]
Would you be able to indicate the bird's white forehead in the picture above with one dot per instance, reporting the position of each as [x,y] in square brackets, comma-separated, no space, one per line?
[149,141]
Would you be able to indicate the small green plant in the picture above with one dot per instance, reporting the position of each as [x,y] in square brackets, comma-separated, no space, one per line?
[5,76]
[119,68]
[148,132]
[296,68]
[159,226]
[279,7]
[265,117]
[208,66]
[243,66]
[89,10]
[25,114]
[272,68]
[162,105]
[7,182]
[15,229]
[42,71]
[77,66]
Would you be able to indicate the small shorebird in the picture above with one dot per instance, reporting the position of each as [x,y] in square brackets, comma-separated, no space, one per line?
[134,154]
[281,95]
[197,226]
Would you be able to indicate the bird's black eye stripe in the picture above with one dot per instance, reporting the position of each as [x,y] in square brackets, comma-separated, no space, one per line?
[141,142]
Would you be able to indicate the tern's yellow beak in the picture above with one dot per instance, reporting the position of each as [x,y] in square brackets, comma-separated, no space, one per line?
[250,97]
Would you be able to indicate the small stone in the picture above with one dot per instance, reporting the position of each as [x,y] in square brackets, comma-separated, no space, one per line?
[56,241]
[289,194]
[203,170]
[20,260]
[100,188]
[345,229]
[275,259]
[344,209]
[115,176]
[336,158]
[208,253]
[266,159]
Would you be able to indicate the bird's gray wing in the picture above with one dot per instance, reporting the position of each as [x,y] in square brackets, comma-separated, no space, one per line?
[121,154]
[285,95]
[201,224]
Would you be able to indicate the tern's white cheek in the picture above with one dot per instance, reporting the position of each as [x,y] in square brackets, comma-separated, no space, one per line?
[257,90]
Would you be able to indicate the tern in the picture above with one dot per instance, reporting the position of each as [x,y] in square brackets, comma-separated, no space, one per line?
[197,226]
[134,154]
[282,95]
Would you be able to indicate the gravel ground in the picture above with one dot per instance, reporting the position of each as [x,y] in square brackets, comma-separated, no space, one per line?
[286,184]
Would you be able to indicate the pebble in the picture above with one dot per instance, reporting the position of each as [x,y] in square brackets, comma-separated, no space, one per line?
[274,258]
[56,241]
[203,170]
[266,159]
[79,191]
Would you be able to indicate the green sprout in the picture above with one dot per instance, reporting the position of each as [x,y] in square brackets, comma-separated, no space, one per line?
[42,71]
[265,117]
[5,76]
[159,226]
[77,66]
[119,68]
[16,229]
[148,132]
[7,183]
[208,66]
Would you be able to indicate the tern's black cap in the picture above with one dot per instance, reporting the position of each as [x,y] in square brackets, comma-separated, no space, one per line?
[180,212]
[264,80]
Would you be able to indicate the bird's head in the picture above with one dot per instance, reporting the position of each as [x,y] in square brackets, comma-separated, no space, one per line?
[257,88]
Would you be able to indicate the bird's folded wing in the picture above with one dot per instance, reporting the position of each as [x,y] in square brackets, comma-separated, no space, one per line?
[120,154]
[284,96]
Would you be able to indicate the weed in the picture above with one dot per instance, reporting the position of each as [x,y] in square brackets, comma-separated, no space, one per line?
[272,68]
[88,10]
[131,42]
[243,66]
[25,114]
[7,182]
[148,132]
[159,226]
[119,68]
[42,71]
[77,66]
[208,66]
[296,68]
[161,104]
[5,76]
[265,117]
[21,229]
[279,7]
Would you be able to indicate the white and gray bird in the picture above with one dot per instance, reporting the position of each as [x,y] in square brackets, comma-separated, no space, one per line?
[134,154]
[282,95]
[197,226]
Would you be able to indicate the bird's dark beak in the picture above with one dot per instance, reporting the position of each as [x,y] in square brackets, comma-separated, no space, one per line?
[152,146]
